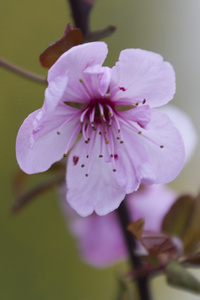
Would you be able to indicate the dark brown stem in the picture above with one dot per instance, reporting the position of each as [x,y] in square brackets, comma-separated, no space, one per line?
[22,72]
[125,220]
[80,13]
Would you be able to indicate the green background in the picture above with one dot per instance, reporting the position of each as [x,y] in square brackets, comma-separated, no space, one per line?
[38,257]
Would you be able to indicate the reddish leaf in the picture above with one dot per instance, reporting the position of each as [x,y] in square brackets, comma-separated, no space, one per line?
[72,37]
[137,228]
[160,244]
[183,221]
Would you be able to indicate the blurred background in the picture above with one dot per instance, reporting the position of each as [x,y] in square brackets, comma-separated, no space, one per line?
[38,256]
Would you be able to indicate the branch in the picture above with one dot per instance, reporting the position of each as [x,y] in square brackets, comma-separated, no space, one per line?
[22,72]
[125,220]
[80,13]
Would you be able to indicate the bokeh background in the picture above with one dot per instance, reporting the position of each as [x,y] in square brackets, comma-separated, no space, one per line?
[38,256]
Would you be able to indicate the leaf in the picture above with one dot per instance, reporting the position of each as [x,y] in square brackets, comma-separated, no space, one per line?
[160,244]
[179,277]
[72,37]
[100,34]
[136,228]
[183,221]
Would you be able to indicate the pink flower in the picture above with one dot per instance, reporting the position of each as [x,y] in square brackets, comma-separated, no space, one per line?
[107,118]
[100,240]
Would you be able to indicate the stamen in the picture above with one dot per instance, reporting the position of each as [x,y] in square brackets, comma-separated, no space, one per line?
[83,115]
[91,153]
[101,112]
[72,139]
[92,114]
[67,121]
[86,88]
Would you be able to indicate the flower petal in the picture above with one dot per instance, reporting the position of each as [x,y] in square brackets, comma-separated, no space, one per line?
[140,75]
[77,59]
[100,240]
[99,192]
[99,78]
[38,145]
[158,152]
[72,65]
[185,126]
[151,203]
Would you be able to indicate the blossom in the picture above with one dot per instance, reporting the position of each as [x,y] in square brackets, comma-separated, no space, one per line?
[99,238]
[106,119]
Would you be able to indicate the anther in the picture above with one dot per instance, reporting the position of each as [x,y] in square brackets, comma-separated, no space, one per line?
[86,175]
[75,160]
[161,146]
[144,101]
[118,130]
[64,155]
[122,89]
[107,95]
[114,170]
[139,132]
[106,142]
[118,138]
[81,80]
[82,166]
[111,155]
[87,156]
[136,103]
[100,155]
[121,142]
[100,132]
[58,132]
[87,142]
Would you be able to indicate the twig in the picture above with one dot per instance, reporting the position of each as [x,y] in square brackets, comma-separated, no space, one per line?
[125,220]
[22,72]
[80,13]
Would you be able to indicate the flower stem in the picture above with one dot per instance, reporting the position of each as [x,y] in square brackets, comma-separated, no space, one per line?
[22,72]
[125,220]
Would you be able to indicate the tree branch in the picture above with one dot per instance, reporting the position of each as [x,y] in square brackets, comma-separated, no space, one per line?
[22,72]
[125,220]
